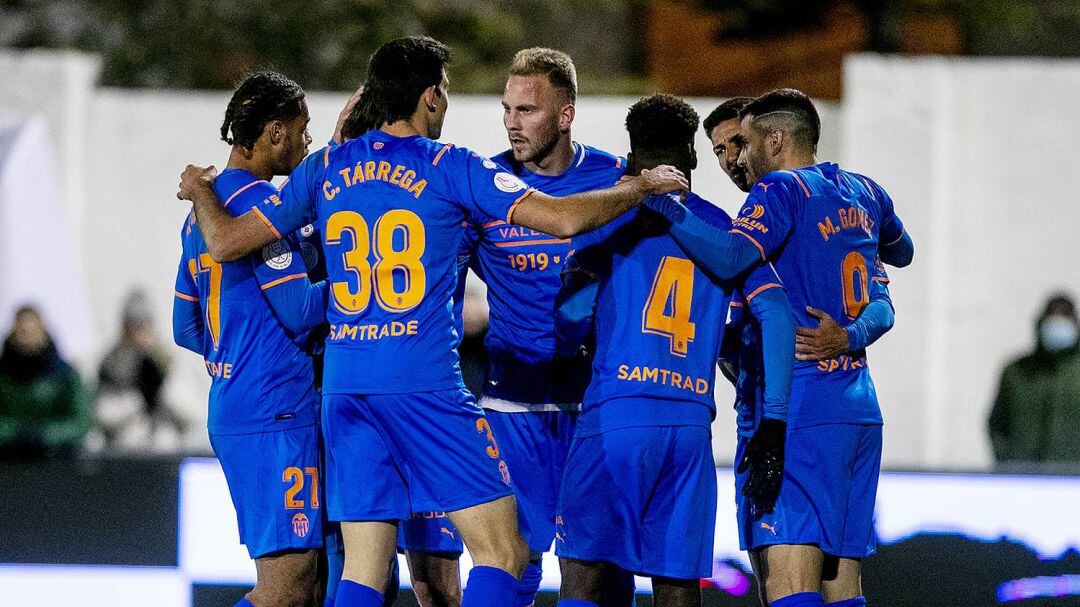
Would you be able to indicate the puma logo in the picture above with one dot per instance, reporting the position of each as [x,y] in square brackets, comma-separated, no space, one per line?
[771,528]
[447,532]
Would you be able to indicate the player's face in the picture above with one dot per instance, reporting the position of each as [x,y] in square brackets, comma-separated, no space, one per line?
[753,158]
[294,145]
[535,114]
[727,143]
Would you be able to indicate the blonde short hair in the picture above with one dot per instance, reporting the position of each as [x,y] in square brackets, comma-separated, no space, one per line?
[556,65]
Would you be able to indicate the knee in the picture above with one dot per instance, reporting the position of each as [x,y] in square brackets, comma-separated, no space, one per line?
[779,584]
[510,555]
[283,595]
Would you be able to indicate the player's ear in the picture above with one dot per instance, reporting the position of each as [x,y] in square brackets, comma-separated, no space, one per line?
[430,96]
[631,163]
[775,141]
[276,130]
[566,117]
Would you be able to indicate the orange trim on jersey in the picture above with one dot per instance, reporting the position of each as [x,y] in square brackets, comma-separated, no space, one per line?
[529,242]
[513,207]
[237,192]
[438,156]
[902,232]
[186,297]
[735,304]
[771,285]
[760,248]
[618,162]
[799,179]
[326,157]
[497,222]
[260,215]
[275,283]
[880,279]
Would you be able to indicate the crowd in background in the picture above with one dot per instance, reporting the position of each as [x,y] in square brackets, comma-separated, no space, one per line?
[48,410]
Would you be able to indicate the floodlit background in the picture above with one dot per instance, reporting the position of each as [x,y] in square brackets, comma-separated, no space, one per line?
[964,110]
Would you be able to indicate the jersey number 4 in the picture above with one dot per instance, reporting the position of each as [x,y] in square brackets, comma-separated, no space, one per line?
[667,309]
[379,276]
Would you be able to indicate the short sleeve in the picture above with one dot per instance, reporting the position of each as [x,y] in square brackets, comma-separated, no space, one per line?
[293,207]
[769,214]
[481,186]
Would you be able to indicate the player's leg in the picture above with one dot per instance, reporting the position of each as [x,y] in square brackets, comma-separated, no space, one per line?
[791,570]
[841,582]
[671,592]
[369,548]
[448,453]
[286,579]
[432,548]
[618,588]
[582,582]
[436,578]
[499,552]
[366,493]
[273,480]
[534,445]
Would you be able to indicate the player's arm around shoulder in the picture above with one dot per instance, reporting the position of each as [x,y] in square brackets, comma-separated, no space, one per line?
[568,216]
[296,302]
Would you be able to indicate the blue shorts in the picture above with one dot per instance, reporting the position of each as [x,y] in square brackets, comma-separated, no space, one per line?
[274,483]
[827,497]
[390,455]
[534,446]
[429,532]
[642,498]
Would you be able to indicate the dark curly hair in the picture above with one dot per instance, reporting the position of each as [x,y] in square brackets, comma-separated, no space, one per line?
[661,122]
[260,98]
[727,110]
[398,73]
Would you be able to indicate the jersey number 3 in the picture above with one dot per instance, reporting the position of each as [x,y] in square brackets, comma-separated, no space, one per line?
[667,309]
[379,276]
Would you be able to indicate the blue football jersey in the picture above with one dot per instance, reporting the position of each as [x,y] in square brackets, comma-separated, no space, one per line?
[820,226]
[659,322]
[261,376]
[521,269]
[391,211]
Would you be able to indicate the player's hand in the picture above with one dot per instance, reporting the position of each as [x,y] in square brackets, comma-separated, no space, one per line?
[827,340]
[344,114]
[661,180]
[764,459]
[195,178]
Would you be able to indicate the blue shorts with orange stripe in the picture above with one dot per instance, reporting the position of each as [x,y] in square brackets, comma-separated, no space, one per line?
[391,455]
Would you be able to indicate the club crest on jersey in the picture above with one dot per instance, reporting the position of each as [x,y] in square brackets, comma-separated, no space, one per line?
[378,145]
[277,255]
[505,472]
[307,230]
[509,183]
[300,524]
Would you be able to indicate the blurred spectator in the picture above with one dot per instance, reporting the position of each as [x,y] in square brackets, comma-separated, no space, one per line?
[1036,416]
[131,411]
[44,408]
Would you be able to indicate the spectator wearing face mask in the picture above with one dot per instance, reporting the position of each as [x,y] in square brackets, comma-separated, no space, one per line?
[44,409]
[1036,416]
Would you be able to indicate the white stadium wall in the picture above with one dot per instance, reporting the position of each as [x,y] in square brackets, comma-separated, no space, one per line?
[973,173]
